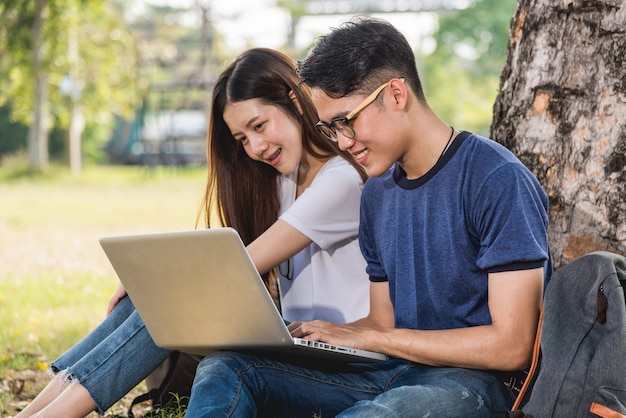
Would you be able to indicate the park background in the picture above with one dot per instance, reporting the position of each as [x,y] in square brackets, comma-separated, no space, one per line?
[103,105]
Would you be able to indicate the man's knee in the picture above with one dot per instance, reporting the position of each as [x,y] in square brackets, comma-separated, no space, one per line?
[220,362]
[422,401]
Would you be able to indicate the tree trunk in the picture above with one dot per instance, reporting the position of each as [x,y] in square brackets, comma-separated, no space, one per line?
[77,121]
[75,133]
[38,129]
[561,108]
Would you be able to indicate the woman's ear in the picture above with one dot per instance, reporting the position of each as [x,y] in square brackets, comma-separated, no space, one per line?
[295,101]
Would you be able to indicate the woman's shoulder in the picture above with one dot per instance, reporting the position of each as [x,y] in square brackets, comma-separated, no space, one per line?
[339,166]
[337,162]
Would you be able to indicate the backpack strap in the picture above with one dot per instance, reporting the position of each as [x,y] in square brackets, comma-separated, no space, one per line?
[534,366]
[160,391]
[155,395]
[148,396]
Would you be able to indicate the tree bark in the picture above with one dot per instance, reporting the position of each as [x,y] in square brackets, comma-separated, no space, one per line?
[561,108]
[38,129]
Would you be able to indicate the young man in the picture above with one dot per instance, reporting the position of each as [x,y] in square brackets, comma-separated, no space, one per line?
[454,231]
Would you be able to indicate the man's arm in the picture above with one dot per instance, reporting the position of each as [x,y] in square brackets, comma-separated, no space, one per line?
[514,303]
[381,310]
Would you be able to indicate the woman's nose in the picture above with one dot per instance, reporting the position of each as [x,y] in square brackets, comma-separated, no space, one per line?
[257,144]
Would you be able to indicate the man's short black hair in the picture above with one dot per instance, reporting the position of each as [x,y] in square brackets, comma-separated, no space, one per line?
[357,57]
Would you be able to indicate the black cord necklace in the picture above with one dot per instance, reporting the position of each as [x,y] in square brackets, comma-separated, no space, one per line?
[447,144]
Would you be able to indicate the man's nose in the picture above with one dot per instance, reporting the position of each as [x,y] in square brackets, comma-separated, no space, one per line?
[344,142]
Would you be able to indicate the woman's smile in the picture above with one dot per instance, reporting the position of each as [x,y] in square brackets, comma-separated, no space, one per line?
[274,159]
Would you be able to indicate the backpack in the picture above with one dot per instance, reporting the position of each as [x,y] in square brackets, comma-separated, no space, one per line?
[579,367]
[169,385]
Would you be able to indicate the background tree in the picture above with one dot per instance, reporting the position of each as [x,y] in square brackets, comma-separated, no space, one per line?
[461,75]
[178,60]
[21,46]
[36,38]
[562,109]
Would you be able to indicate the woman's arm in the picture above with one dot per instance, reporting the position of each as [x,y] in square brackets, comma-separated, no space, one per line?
[120,292]
[280,242]
[327,212]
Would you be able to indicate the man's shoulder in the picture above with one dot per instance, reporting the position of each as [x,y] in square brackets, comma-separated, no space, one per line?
[483,158]
[488,149]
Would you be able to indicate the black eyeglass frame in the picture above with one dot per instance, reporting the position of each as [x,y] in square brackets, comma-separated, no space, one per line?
[287,266]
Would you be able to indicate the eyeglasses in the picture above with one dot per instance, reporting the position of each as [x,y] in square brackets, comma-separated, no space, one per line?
[342,125]
[286,269]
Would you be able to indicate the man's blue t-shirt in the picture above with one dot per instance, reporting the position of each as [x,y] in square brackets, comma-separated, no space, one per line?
[436,238]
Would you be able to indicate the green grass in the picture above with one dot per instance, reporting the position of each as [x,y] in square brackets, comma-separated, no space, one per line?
[43,314]
[55,281]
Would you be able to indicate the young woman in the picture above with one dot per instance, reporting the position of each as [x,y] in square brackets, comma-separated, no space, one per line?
[292,196]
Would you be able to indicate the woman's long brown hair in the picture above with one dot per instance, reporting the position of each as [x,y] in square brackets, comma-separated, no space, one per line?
[243,193]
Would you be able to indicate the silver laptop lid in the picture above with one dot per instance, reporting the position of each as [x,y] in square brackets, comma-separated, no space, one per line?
[194,292]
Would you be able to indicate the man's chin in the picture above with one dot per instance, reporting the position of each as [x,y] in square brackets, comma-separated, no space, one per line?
[374,171]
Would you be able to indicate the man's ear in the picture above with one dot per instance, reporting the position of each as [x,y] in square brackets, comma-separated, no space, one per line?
[295,101]
[400,92]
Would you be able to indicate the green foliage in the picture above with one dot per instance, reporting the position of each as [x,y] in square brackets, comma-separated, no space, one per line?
[103,67]
[482,29]
[159,59]
[461,76]
[13,134]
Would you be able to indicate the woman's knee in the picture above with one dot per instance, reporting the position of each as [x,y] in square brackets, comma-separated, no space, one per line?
[124,307]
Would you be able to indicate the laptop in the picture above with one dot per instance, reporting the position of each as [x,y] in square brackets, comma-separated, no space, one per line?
[198,291]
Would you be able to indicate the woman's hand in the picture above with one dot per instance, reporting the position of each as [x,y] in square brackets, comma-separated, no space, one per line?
[117,296]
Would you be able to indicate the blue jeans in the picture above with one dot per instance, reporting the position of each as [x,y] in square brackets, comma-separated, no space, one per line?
[113,358]
[241,385]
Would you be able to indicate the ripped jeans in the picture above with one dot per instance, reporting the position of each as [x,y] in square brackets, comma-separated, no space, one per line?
[113,358]
[241,385]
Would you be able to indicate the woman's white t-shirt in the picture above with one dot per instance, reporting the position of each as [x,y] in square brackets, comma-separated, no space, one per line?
[327,279]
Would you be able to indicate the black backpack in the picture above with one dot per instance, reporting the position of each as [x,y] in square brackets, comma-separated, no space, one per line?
[169,385]
[579,367]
